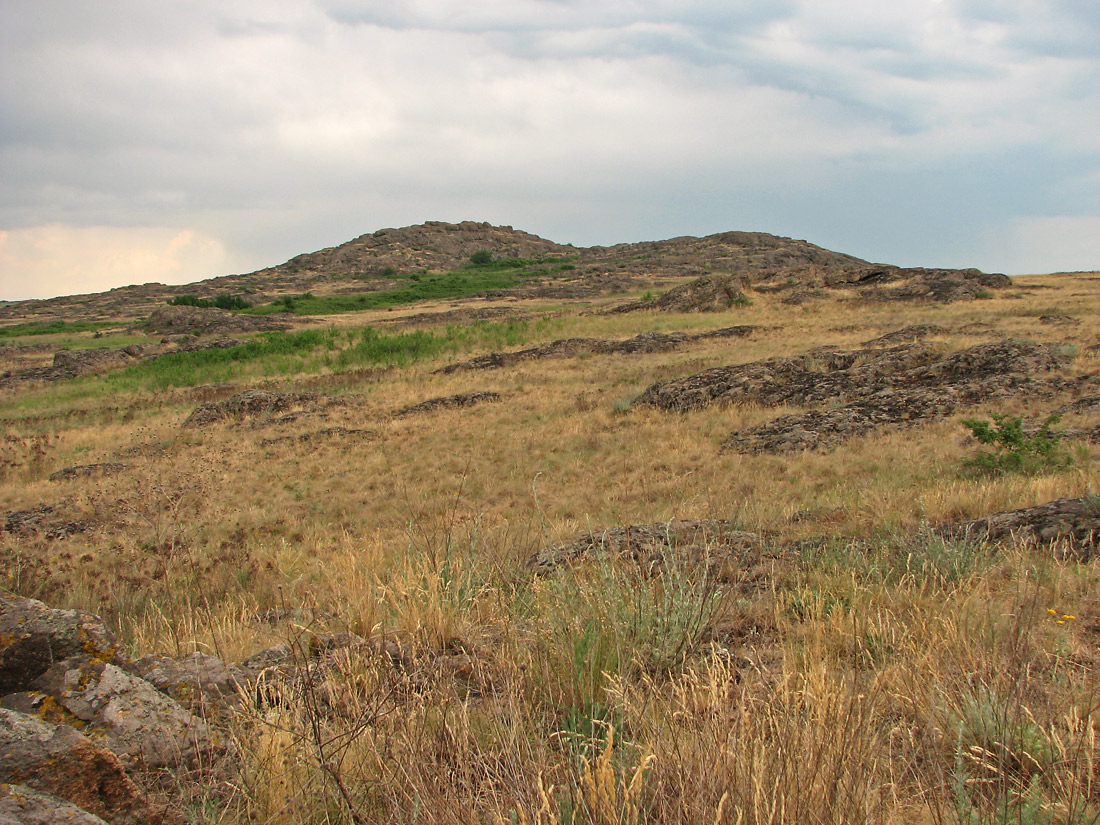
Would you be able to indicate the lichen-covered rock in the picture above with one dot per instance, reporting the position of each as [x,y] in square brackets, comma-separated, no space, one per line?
[34,636]
[23,805]
[201,683]
[58,760]
[1070,525]
[144,727]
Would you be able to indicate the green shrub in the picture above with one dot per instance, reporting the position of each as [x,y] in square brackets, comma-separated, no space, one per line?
[482,257]
[1015,450]
[229,302]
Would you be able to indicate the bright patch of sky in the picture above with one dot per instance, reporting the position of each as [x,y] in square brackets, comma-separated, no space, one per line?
[175,141]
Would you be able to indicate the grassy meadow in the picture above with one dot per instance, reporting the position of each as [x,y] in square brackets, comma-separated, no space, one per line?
[855,668]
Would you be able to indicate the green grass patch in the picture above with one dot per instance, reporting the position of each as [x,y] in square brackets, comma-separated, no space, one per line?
[53,328]
[373,348]
[422,286]
[272,354]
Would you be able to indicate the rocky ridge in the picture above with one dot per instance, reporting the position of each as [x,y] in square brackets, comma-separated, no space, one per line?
[764,262]
[898,386]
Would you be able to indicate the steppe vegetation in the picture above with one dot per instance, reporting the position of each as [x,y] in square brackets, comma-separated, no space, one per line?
[847,660]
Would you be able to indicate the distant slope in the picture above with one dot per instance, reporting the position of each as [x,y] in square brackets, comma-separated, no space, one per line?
[433,245]
[371,261]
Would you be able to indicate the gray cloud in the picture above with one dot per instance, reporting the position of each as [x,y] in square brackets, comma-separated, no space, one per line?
[911,132]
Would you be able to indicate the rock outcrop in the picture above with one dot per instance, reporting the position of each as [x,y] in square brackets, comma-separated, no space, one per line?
[23,805]
[34,637]
[76,720]
[142,726]
[710,293]
[245,405]
[1070,525]
[58,761]
[188,320]
[897,386]
[68,364]
[467,399]
[646,342]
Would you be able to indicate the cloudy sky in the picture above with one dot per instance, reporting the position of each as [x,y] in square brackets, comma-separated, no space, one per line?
[184,139]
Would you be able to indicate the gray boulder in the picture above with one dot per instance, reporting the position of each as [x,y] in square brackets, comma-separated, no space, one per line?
[59,761]
[203,684]
[34,636]
[21,805]
[140,724]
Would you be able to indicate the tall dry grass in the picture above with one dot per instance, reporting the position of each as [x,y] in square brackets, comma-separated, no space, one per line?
[862,670]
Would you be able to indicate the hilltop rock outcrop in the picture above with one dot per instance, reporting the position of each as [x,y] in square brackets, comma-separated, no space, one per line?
[432,245]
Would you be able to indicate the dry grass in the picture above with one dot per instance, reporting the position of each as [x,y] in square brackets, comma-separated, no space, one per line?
[870,674]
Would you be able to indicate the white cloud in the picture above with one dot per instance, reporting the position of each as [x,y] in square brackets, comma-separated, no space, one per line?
[280,126]
[46,261]
[1051,243]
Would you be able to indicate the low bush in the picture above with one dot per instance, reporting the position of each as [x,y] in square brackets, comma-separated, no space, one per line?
[1015,450]
[224,301]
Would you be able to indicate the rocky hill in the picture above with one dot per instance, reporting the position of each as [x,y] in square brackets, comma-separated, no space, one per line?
[372,261]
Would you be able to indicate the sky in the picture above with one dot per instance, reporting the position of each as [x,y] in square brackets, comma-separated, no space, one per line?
[186,139]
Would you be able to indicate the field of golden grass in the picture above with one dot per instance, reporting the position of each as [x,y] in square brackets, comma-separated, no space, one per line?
[857,668]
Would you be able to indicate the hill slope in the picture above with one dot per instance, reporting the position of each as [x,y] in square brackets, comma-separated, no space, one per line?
[372,261]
